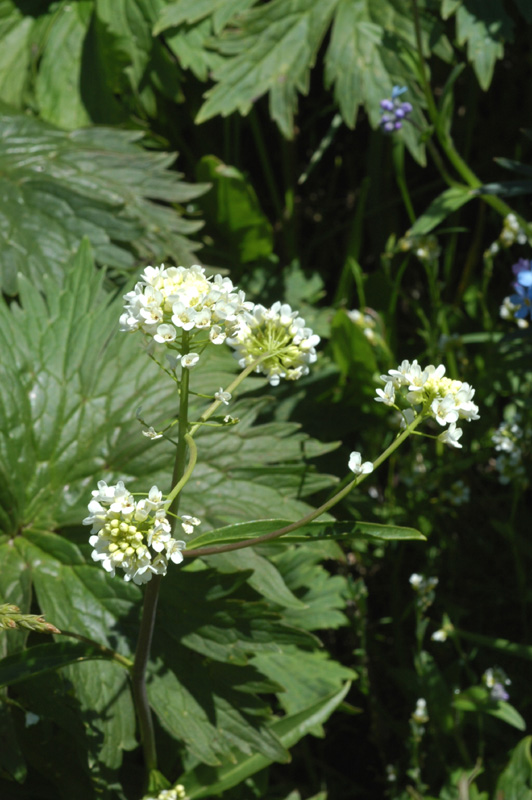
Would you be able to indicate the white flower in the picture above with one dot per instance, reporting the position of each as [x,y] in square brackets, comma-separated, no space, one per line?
[444,410]
[188,523]
[386,395]
[151,433]
[279,338]
[134,536]
[451,435]
[189,360]
[173,550]
[356,465]
[416,581]
[223,397]
[420,715]
[439,636]
[165,334]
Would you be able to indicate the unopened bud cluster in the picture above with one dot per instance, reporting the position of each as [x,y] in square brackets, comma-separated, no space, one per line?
[277,336]
[12,619]
[429,393]
[133,535]
[393,111]
[512,441]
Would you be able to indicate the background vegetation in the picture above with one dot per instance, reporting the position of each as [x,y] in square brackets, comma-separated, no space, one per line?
[244,135]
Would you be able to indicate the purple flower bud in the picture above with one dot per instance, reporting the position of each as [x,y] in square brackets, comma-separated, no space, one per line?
[498,692]
[399,113]
[398,126]
[387,105]
[407,107]
[521,265]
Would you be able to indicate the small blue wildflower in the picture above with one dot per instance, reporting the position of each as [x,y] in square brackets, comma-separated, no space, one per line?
[522,300]
[524,265]
[393,111]
[525,278]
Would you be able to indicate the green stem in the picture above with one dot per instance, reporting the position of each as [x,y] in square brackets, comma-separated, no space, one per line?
[105,651]
[151,595]
[187,473]
[232,386]
[446,141]
[208,551]
[400,177]
[138,673]
[182,431]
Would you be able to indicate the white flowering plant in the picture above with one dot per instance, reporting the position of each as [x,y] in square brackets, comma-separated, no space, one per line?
[184,593]
[142,538]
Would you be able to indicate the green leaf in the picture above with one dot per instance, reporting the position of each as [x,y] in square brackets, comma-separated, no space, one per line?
[272,51]
[190,45]
[305,677]
[485,26]
[264,577]
[103,691]
[506,188]
[44,658]
[15,30]
[12,761]
[56,88]
[192,11]
[233,209]
[478,698]
[56,188]
[209,707]
[515,783]
[204,782]
[339,531]
[15,588]
[443,206]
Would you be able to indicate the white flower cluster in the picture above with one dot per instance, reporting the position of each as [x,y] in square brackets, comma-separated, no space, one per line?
[278,334]
[426,248]
[425,590]
[512,232]
[420,715]
[177,793]
[507,311]
[133,535]
[508,440]
[169,300]
[421,584]
[441,398]
[367,324]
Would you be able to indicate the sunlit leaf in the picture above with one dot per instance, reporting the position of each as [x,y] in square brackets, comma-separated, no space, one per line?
[56,188]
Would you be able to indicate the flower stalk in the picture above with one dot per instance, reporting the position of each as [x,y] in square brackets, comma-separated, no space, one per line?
[310,517]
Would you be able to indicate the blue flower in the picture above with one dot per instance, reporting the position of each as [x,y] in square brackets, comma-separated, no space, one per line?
[393,111]
[523,300]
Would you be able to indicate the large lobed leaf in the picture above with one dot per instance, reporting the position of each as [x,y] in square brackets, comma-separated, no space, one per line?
[56,188]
